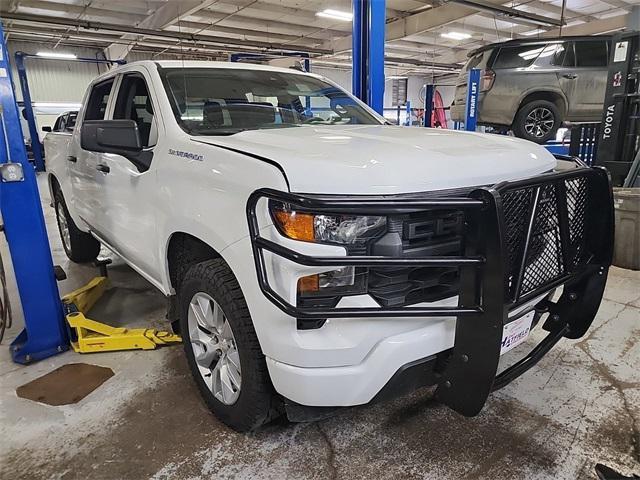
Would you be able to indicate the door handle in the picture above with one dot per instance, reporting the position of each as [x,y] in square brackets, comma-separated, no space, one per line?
[570,76]
[72,158]
[103,168]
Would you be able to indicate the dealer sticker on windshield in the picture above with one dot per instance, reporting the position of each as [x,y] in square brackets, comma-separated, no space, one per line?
[516,332]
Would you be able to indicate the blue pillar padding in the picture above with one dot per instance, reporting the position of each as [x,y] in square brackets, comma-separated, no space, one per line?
[358,50]
[368,52]
[471,110]
[407,120]
[36,145]
[376,54]
[45,332]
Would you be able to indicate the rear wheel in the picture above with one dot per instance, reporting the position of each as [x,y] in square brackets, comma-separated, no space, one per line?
[537,121]
[79,246]
[222,348]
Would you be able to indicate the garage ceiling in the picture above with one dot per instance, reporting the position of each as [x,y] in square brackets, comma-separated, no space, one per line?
[211,29]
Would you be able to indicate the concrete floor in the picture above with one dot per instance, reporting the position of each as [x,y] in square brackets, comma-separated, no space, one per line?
[579,406]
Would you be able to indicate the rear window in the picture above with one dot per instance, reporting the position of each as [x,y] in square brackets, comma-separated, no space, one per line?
[477,61]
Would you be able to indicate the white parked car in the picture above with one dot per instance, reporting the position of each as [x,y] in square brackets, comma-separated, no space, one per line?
[316,257]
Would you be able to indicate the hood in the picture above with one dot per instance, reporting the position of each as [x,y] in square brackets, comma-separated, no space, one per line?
[381,159]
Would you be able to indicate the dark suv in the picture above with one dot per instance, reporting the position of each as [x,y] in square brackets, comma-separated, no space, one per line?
[533,86]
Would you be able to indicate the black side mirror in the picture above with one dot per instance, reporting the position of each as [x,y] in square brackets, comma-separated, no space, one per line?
[115,136]
[46,129]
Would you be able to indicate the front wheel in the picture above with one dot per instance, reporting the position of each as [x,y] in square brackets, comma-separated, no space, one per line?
[222,348]
[537,121]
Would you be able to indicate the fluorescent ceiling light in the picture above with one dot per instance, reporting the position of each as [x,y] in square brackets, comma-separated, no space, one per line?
[74,106]
[456,35]
[336,15]
[55,55]
[397,77]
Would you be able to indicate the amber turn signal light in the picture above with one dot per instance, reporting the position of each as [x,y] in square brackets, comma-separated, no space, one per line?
[309,284]
[295,225]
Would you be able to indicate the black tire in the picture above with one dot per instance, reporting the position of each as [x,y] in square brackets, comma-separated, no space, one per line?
[522,127]
[80,246]
[257,403]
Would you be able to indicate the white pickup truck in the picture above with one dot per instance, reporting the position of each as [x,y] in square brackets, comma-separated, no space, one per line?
[316,257]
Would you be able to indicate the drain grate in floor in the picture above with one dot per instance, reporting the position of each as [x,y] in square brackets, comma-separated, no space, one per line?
[65,385]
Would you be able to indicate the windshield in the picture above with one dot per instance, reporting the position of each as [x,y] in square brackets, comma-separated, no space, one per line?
[224,101]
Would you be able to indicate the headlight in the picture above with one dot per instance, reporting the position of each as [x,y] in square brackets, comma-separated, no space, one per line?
[352,231]
[337,229]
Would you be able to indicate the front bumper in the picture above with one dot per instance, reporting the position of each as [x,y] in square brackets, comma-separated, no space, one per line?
[522,239]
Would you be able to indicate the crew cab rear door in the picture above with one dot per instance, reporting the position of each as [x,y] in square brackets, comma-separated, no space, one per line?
[82,163]
[126,197]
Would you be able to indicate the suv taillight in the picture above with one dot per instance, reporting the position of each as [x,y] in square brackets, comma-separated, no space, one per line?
[486,80]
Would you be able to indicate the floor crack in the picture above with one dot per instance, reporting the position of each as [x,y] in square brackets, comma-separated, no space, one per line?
[608,376]
[331,452]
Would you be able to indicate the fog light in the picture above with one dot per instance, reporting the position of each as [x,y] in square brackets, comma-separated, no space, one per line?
[337,278]
[334,283]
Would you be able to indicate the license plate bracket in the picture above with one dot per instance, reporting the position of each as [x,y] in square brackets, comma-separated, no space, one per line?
[516,332]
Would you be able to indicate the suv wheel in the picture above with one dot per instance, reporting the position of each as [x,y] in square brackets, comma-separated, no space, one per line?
[537,121]
[79,246]
[222,348]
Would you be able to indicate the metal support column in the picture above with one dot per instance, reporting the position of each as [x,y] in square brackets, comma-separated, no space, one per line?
[471,110]
[368,52]
[45,332]
[36,145]
[429,91]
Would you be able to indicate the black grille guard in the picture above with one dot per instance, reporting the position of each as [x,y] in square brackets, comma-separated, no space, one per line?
[522,239]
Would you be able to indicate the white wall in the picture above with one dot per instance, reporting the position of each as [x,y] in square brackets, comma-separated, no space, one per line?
[339,76]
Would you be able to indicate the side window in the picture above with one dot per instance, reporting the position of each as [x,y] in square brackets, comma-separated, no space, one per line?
[59,125]
[70,122]
[98,99]
[517,57]
[559,53]
[592,53]
[134,103]
[570,57]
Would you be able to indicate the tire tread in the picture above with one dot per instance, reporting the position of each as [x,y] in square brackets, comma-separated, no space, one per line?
[261,406]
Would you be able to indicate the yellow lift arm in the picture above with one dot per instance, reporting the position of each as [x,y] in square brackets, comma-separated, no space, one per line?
[94,336]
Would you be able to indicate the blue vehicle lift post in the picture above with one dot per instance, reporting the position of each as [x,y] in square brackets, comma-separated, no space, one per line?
[368,52]
[36,145]
[471,109]
[45,331]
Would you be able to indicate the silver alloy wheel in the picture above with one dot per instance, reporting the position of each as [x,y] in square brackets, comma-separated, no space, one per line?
[214,348]
[539,122]
[64,226]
